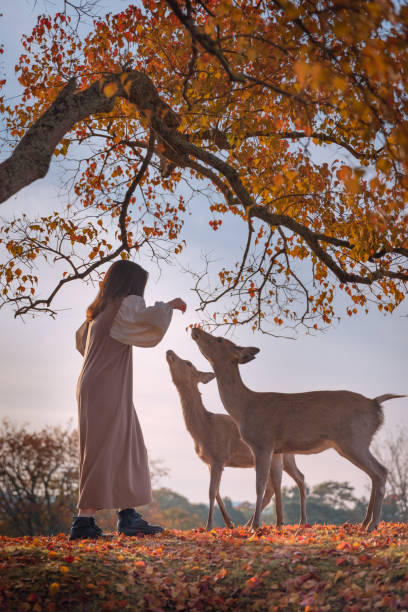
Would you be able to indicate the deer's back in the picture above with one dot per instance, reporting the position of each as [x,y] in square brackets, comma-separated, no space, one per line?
[302,422]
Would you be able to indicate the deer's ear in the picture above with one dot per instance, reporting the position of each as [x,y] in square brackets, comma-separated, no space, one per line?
[206,377]
[247,353]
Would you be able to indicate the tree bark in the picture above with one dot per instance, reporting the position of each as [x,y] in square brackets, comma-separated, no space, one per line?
[32,157]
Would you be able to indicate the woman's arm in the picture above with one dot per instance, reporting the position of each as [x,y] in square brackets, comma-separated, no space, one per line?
[139,325]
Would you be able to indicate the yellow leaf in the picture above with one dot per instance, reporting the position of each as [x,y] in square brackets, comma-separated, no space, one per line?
[252,54]
[110,89]
[302,71]
[54,588]
[344,173]
[383,164]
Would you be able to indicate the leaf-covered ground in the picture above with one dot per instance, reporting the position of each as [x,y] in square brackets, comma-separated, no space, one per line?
[313,569]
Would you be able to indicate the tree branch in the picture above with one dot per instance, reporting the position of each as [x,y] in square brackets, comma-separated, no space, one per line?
[130,191]
[31,158]
[311,238]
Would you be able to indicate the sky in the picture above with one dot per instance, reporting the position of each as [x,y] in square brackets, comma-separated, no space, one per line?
[40,366]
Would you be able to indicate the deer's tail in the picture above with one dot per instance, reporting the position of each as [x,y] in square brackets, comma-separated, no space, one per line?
[384,398]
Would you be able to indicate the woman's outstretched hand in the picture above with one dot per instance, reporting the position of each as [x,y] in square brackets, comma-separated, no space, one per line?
[178,304]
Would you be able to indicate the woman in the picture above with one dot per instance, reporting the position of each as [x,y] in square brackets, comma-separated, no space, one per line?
[114,470]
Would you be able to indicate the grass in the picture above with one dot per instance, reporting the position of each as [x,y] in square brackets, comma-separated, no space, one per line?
[317,568]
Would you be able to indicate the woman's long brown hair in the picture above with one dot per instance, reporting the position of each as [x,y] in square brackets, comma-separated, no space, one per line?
[123,278]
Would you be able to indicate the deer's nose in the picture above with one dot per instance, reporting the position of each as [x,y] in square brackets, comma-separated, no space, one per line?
[195,332]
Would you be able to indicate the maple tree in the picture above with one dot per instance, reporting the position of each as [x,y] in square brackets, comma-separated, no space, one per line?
[245,102]
[38,478]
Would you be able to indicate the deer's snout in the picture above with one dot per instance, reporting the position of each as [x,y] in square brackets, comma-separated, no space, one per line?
[170,355]
[196,332]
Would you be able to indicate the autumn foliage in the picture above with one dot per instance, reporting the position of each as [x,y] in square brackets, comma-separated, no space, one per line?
[315,569]
[38,478]
[288,116]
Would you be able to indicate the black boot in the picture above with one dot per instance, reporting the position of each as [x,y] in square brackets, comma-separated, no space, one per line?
[85,527]
[131,523]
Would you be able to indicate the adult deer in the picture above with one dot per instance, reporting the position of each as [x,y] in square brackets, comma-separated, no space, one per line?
[218,443]
[302,423]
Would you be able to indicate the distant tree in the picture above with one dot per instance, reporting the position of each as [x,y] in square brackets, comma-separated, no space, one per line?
[328,502]
[246,509]
[38,479]
[394,455]
[390,509]
[175,511]
[337,495]
[334,502]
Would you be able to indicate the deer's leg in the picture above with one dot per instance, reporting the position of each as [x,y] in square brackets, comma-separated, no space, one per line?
[262,467]
[290,467]
[380,481]
[269,491]
[369,514]
[275,474]
[215,478]
[225,515]
[362,458]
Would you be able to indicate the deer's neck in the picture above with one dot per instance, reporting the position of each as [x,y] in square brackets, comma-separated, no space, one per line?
[233,392]
[194,412]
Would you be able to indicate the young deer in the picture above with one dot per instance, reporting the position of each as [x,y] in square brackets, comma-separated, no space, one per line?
[218,443]
[296,422]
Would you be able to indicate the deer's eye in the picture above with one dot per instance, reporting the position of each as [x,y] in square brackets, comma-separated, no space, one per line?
[219,339]
[189,363]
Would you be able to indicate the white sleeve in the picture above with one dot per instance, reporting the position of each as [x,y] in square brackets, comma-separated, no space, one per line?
[139,325]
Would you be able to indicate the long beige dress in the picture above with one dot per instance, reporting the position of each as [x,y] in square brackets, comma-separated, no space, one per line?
[114,470]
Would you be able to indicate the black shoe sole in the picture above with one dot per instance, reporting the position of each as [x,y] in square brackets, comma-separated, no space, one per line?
[105,536]
[138,533]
